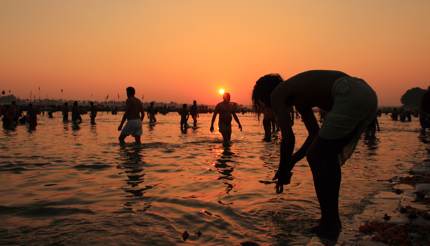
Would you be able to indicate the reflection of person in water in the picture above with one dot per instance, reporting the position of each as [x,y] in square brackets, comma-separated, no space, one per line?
[132,165]
[351,104]
[224,168]
[226,111]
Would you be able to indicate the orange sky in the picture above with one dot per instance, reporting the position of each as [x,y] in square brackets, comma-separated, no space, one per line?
[183,50]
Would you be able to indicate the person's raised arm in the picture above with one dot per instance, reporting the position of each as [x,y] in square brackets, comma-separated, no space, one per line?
[213,118]
[312,127]
[124,117]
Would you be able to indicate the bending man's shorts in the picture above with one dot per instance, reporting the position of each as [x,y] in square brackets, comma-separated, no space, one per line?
[354,108]
[132,127]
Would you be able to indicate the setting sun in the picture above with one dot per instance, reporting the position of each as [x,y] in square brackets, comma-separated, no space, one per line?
[221,91]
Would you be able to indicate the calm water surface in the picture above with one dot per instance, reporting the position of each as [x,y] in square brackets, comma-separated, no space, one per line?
[61,185]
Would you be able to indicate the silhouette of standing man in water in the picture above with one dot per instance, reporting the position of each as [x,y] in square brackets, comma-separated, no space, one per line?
[76,114]
[226,110]
[134,115]
[31,117]
[194,113]
[65,112]
[350,103]
[93,113]
[185,114]
[151,113]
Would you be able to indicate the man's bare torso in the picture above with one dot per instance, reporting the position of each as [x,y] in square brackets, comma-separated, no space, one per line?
[134,107]
[225,110]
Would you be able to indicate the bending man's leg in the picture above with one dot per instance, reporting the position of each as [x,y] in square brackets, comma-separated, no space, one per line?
[322,157]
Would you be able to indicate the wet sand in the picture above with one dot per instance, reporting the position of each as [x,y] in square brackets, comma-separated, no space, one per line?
[407,222]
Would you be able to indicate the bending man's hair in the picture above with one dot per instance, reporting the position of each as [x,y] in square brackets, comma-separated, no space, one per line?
[263,89]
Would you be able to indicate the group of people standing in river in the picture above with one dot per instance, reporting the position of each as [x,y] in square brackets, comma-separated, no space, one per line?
[135,113]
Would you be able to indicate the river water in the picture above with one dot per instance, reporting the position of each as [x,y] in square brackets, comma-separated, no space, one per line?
[66,186]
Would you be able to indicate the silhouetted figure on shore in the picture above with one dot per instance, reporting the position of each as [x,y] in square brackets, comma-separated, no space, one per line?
[350,103]
[17,113]
[408,115]
[226,111]
[6,119]
[194,113]
[65,112]
[269,124]
[93,113]
[370,132]
[51,112]
[31,117]
[151,113]
[134,115]
[185,114]
[76,114]
[114,110]
[425,111]
[10,116]
[395,114]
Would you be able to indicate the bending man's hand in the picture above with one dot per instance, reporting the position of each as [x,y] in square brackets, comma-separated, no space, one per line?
[283,178]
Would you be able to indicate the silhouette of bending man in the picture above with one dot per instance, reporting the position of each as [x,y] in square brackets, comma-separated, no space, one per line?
[350,103]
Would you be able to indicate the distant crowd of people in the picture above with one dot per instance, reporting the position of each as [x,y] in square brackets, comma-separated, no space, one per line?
[348,107]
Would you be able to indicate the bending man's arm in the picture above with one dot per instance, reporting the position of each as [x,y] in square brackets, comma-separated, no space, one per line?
[312,126]
[283,175]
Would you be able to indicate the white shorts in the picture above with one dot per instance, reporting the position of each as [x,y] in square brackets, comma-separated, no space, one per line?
[132,127]
[355,106]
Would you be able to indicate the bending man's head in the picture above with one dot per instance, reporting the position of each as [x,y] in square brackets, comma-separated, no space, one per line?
[263,89]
